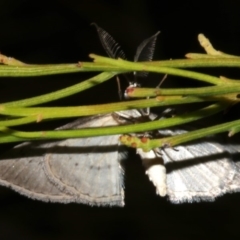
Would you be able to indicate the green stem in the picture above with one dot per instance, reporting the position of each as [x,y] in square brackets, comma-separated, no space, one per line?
[77,133]
[207,56]
[197,134]
[149,144]
[42,113]
[51,69]
[17,122]
[200,91]
[100,78]
[202,60]
[112,65]
[158,68]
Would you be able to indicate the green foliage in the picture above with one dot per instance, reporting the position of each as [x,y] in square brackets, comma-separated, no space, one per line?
[221,95]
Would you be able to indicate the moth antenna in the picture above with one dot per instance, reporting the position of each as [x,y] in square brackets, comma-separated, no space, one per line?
[145,52]
[112,48]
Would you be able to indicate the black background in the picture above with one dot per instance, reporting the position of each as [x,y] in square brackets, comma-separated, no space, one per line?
[60,32]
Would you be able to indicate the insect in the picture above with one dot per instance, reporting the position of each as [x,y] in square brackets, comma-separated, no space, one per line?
[144,52]
[89,170]
[193,172]
[199,171]
[85,170]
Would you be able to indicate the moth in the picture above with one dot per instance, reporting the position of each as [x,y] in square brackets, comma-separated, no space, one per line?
[84,170]
[198,171]
[89,170]
[144,52]
[202,171]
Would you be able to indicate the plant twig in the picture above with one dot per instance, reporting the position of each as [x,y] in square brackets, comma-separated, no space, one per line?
[148,144]
[94,81]
[147,126]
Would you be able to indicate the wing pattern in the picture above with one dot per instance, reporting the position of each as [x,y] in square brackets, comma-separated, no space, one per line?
[84,170]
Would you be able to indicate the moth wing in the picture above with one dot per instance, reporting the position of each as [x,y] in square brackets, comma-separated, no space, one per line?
[199,171]
[89,168]
[21,169]
[79,170]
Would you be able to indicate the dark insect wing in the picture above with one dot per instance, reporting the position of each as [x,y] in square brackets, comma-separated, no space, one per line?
[145,52]
[111,47]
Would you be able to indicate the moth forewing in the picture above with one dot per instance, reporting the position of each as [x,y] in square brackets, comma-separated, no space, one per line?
[81,170]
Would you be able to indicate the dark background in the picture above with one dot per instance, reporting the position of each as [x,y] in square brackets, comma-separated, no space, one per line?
[60,32]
